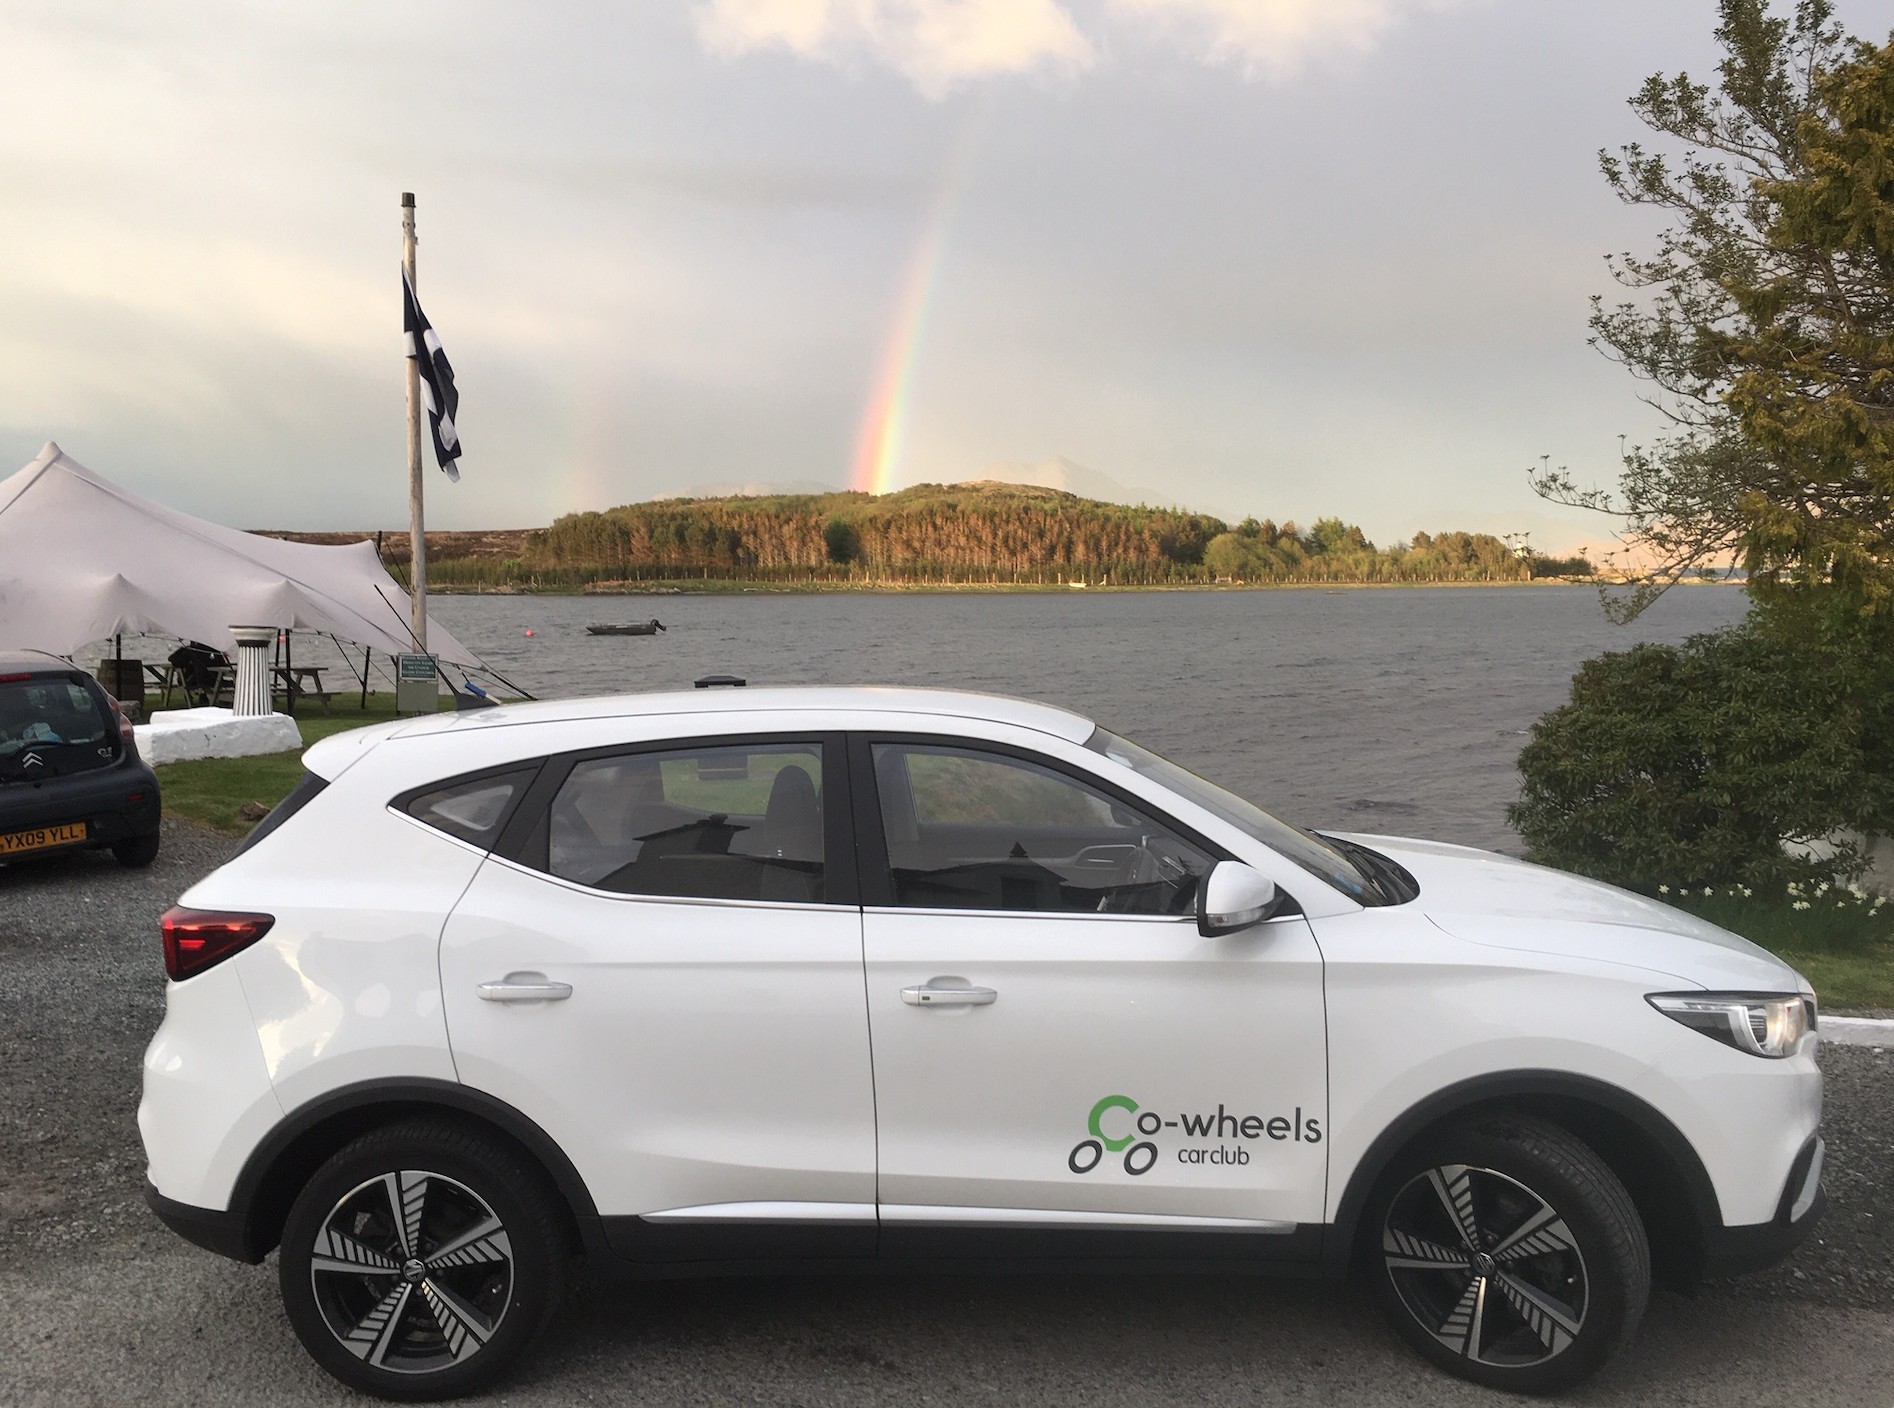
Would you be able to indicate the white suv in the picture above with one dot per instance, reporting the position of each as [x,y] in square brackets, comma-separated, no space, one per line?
[751,979]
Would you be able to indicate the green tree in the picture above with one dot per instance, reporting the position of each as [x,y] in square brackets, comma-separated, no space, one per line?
[1764,321]
[1692,765]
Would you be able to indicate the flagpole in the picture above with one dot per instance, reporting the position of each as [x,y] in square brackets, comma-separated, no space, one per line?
[417,531]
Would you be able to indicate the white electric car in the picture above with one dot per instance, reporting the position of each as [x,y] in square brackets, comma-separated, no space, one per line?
[740,980]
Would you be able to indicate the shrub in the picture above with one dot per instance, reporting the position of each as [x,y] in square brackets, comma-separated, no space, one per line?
[1713,763]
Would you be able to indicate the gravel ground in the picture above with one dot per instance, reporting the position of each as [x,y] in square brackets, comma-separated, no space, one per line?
[92,1282]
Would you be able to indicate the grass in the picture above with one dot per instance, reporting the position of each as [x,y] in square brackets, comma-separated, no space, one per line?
[214,791]
[1842,940]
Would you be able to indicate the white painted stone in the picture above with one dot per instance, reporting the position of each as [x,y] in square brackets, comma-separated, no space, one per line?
[1857,1031]
[178,735]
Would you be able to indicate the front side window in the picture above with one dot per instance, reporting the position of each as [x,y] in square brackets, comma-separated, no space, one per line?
[1319,856]
[732,822]
[969,829]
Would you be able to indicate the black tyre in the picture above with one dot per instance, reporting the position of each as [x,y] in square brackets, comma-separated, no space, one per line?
[136,852]
[1508,1253]
[421,1259]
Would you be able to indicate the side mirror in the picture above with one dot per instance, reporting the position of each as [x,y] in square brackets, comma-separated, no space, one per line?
[1233,896]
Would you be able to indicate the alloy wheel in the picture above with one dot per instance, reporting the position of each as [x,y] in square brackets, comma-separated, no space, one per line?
[412,1272]
[1485,1266]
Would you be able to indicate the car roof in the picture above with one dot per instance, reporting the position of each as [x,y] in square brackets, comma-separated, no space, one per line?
[35,662]
[937,703]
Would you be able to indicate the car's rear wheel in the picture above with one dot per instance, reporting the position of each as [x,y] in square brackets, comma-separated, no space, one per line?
[421,1259]
[136,852]
[1508,1253]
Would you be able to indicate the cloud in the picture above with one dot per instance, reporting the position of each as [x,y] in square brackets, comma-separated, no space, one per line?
[939,44]
[935,44]
[1273,38]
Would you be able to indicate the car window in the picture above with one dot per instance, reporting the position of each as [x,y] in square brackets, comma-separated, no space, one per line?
[968,829]
[1319,856]
[51,726]
[736,822]
[470,808]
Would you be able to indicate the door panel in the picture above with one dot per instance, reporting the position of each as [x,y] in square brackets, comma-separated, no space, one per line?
[711,1050]
[1112,1060]
[1034,1101]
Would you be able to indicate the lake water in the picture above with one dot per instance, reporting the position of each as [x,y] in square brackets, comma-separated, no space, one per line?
[1399,711]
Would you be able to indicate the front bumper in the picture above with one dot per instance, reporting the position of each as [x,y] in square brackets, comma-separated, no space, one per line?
[1729,1251]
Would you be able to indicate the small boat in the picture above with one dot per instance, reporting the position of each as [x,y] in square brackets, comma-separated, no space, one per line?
[630,628]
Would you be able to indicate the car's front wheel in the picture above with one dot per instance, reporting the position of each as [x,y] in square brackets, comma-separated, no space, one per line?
[421,1259]
[1508,1253]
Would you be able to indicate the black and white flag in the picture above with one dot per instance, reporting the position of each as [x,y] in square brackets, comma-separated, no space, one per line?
[437,380]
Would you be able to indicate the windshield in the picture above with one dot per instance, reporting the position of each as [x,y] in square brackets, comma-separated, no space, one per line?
[50,725]
[1321,858]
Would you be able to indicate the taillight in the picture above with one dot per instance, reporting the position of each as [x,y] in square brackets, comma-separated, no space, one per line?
[196,939]
[125,734]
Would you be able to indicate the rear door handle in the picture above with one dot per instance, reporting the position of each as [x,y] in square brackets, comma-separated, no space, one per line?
[948,992]
[524,987]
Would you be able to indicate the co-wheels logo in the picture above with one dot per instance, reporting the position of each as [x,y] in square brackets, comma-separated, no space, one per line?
[1117,1125]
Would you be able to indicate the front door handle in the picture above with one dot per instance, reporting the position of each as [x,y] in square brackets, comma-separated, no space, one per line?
[524,987]
[948,992]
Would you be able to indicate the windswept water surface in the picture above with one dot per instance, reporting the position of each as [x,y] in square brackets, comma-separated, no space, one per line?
[1398,711]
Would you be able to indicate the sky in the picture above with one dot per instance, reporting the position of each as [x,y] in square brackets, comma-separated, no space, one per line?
[1288,258]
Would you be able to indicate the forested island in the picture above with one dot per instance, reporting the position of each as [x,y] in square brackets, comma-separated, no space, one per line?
[979,534]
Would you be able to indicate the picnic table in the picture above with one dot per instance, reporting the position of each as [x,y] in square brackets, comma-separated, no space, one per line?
[291,682]
[301,682]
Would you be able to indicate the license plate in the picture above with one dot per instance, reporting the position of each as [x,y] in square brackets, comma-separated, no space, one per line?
[42,837]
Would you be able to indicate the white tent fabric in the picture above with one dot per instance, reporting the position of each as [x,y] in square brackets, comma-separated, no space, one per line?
[82,560]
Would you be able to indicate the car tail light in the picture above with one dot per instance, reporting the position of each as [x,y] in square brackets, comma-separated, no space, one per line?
[196,939]
[125,734]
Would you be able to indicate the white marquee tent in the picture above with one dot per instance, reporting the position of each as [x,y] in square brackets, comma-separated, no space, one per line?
[82,560]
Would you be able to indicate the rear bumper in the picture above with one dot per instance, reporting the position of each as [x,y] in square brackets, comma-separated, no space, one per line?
[1730,1251]
[102,800]
[225,1233]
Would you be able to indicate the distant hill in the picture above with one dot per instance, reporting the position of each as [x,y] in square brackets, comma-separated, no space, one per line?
[1072,478]
[1002,532]
[982,532]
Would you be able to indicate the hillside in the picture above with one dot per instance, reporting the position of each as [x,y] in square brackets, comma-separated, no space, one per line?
[1006,532]
[984,532]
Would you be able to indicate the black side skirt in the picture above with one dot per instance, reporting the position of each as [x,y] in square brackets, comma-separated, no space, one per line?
[657,1250]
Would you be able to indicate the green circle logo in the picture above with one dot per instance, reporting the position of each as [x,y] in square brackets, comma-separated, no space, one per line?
[1112,1102]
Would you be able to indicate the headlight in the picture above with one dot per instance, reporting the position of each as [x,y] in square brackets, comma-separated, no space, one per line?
[1762,1024]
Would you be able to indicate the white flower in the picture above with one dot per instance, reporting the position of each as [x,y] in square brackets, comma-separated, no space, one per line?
[1663,889]
[1707,892]
[1747,892]
[1822,888]
[1800,904]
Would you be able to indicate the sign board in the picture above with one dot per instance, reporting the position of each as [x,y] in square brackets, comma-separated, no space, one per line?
[417,685]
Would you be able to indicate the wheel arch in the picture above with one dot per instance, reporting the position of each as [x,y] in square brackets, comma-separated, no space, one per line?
[1650,1155]
[279,1166]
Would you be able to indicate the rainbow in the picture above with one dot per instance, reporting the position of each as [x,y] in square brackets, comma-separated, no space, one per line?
[883,432]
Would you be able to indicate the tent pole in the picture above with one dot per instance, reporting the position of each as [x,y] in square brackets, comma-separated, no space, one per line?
[417,530]
[368,654]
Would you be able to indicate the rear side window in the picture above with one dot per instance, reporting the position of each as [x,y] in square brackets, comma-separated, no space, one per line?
[729,822]
[52,726]
[471,808]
